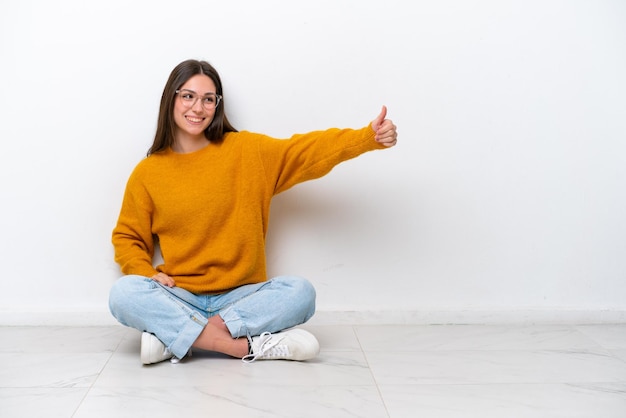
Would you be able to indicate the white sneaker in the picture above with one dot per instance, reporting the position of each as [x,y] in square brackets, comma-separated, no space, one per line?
[153,350]
[294,344]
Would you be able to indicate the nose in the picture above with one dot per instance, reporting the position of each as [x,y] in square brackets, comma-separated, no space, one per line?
[197,105]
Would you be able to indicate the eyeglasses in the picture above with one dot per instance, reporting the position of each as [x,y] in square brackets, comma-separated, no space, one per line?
[189,97]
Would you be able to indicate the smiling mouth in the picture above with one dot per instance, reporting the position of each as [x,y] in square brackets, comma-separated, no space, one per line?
[194,119]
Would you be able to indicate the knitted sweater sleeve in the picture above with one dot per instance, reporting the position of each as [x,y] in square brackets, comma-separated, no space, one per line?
[312,155]
[132,237]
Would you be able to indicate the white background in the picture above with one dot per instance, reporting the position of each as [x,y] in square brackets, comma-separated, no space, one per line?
[505,197]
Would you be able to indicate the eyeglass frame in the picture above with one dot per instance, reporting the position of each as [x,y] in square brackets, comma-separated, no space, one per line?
[218,98]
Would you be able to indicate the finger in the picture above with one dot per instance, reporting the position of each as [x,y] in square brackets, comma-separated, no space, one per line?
[389,143]
[385,127]
[379,119]
[164,279]
[383,114]
[387,130]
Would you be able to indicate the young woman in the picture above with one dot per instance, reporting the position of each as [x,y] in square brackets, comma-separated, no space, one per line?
[203,196]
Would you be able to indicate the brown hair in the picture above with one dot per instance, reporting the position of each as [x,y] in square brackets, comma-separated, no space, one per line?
[166,128]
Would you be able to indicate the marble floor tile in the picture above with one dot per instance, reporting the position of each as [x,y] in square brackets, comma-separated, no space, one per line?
[40,402]
[487,367]
[61,339]
[606,400]
[241,401]
[31,370]
[621,354]
[393,371]
[608,336]
[472,337]
[335,338]
[329,368]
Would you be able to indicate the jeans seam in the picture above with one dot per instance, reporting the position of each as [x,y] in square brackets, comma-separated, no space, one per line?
[192,313]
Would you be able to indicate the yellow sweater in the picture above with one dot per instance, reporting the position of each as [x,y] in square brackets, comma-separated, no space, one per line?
[209,209]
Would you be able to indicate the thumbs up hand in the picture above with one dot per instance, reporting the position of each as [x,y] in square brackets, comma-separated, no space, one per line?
[385,130]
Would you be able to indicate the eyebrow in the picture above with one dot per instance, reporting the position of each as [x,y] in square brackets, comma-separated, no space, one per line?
[205,94]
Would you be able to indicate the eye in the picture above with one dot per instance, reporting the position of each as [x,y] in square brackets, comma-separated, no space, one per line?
[187,96]
[209,99]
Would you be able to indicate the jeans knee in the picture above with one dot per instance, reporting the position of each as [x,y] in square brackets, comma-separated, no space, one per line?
[306,289]
[304,293]
[123,294]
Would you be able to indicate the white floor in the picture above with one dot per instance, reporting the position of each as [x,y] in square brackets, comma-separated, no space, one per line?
[362,371]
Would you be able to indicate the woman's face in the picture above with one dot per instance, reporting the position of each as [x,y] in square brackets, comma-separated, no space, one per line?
[193,111]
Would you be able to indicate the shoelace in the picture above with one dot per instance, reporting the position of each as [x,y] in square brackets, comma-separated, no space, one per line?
[267,347]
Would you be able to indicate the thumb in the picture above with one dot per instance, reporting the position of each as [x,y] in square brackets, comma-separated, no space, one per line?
[379,119]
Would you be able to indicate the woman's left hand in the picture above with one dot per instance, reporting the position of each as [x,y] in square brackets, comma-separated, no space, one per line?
[385,130]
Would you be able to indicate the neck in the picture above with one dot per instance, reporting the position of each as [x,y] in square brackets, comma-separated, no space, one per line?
[185,144]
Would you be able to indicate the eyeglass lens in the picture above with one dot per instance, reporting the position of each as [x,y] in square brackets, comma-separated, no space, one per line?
[209,101]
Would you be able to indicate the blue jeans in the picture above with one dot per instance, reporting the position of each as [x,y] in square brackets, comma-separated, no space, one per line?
[177,317]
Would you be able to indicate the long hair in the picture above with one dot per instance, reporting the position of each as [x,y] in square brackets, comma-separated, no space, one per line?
[166,127]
